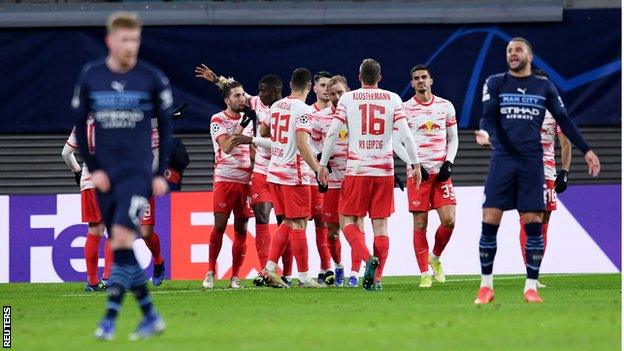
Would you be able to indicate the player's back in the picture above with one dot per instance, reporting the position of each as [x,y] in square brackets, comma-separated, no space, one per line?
[122,106]
[286,165]
[370,114]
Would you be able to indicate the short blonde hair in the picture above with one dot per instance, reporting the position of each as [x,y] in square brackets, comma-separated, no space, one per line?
[337,79]
[123,19]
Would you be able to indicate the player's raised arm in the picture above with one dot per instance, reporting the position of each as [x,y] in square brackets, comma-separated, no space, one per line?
[555,105]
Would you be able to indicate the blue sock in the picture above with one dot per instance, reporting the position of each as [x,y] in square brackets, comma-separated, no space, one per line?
[143,298]
[487,247]
[534,249]
[120,280]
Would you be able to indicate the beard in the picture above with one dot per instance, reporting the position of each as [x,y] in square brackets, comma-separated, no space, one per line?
[521,65]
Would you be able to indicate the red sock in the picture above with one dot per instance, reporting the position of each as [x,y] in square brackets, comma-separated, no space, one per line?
[153,244]
[263,243]
[442,237]
[381,246]
[335,249]
[239,248]
[287,260]
[523,240]
[216,240]
[421,249]
[299,244]
[108,260]
[355,237]
[91,255]
[323,249]
[278,243]
[545,235]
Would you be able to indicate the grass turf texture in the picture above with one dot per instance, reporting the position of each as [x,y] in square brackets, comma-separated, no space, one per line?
[580,312]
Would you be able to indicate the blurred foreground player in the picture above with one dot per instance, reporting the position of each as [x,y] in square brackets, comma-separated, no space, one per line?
[514,105]
[123,95]
[90,212]
[432,122]
[370,114]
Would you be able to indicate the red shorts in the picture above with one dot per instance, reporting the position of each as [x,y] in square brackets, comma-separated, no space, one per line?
[230,197]
[90,209]
[259,189]
[430,195]
[366,194]
[330,206]
[316,201]
[291,201]
[550,196]
[149,217]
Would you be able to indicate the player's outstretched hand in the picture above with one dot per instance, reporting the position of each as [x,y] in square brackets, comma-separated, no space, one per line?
[561,183]
[322,175]
[159,186]
[202,71]
[445,171]
[593,163]
[482,137]
[100,181]
[416,175]
[77,177]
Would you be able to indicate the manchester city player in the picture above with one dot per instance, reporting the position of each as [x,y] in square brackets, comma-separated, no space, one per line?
[124,96]
[514,104]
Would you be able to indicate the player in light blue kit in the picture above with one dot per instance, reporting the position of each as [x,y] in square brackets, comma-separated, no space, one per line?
[125,97]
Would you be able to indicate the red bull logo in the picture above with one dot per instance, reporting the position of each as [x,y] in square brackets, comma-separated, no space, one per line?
[429,127]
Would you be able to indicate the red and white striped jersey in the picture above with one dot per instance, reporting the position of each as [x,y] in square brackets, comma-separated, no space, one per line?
[320,125]
[287,166]
[550,129]
[263,155]
[428,123]
[234,167]
[370,114]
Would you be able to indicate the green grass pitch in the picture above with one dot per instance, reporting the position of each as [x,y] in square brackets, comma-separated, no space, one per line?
[580,312]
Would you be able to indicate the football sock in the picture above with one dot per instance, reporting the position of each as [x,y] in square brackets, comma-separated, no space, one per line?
[534,249]
[299,245]
[487,280]
[216,241]
[335,249]
[381,246]
[530,284]
[287,260]
[279,242]
[487,247]
[153,244]
[125,271]
[323,249]
[421,249]
[442,237]
[545,235]
[263,243]
[91,255]
[356,239]
[239,249]
[108,260]
[143,298]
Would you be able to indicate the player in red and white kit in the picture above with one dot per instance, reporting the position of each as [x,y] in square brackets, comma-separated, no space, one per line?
[232,174]
[326,275]
[321,122]
[434,126]
[368,188]
[90,211]
[556,183]
[289,127]
[269,91]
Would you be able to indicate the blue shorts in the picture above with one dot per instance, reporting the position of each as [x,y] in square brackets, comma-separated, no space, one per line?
[125,203]
[515,183]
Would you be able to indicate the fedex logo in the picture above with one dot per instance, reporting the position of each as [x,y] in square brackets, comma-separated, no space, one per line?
[42,239]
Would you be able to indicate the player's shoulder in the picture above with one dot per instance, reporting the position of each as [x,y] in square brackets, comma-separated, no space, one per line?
[496,78]
[94,66]
[152,70]
[217,117]
[442,101]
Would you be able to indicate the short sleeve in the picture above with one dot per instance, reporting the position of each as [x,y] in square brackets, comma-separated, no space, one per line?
[217,127]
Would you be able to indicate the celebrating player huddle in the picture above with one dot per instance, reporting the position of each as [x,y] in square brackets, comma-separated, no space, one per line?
[331,162]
